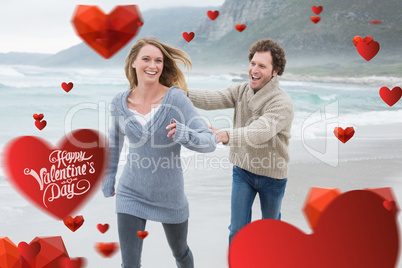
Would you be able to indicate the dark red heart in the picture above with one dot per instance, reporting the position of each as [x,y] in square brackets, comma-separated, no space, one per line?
[106,249]
[106,34]
[58,180]
[29,251]
[67,87]
[188,36]
[355,230]
[142,235]
[213,14]
[103,228]
[240,27]
[368,49]
[67,262]
[390,97]
[315,19]
[316,10]
[73,223]
[344,135]
[40,124]
[38,117]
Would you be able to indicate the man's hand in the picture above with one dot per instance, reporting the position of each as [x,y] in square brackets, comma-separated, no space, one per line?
[221,135]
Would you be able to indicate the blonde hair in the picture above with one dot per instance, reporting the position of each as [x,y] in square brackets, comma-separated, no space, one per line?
[171,73]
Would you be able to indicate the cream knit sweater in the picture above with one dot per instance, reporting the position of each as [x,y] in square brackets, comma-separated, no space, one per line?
[260,136]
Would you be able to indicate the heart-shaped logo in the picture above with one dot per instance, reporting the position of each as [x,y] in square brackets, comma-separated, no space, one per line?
[315,19]
[344,135]
[368,49]
[38,117]
[40,124]
[29,251]
[213,14]
[103,228]
[142,235]
[188,36]
[106,34]
[355,230]
[240,27]
[40,173]
[67,262]
[390,97]
[73,223]
[67,87]
[316,10]
[106,249]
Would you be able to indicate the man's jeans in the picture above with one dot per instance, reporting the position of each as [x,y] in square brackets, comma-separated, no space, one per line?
[244,189]
[131,243]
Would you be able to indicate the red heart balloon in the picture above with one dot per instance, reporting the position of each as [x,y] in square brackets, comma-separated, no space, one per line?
[142,235]
[73,223]
[29,251]
[67,262]
[368,49]
[213,14]
[106,34]
[316,10]
[67,87]
[188,36]
[355,230]
[103,228]
[344,135]
[57,180]
[390,97]
[241,27]
[315,19]
[38,117]
[40,124]
[106,249]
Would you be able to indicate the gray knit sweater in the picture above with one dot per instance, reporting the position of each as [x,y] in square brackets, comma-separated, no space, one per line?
[151,185]
[262,121]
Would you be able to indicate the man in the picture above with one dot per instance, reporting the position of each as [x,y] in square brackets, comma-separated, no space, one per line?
[259,140]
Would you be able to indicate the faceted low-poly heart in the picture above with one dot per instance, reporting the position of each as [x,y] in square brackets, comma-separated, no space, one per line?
[73,223]
[344,135]
[57,179]
[107,33]
[355,230]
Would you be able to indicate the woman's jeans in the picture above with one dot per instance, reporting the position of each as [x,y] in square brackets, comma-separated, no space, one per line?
[131,243]
[244,189]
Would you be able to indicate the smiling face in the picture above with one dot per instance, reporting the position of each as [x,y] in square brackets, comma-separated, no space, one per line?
[261,70]
[148,64]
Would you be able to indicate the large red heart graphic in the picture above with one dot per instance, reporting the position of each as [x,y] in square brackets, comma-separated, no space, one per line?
[390,97]
[107,34]
[368,49]
[344,135]
[355,230]
[58,180]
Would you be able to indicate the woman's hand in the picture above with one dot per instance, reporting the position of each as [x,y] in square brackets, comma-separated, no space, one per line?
[172,126]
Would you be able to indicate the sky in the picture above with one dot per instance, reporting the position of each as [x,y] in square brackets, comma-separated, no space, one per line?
[44,26]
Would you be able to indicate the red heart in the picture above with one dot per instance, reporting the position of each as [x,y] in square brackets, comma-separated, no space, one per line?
[67,262]
[368,51]
[188,36]
[29,251]
[355,230]
[142,235]
[106,249]
[73,223]
[315,19]
[213,14]
[103,228]
[67,87]
[390,97]
[38,117]
[344,135]
[357,39]
[57,180]
[40,124]
[368,39]
[106,34]
[241,27]
[316,10]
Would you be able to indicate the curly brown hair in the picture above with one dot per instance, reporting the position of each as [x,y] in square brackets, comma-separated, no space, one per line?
[277,53]
[171,74]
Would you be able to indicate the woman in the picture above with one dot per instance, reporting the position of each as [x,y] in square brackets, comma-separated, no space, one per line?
[157,118]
